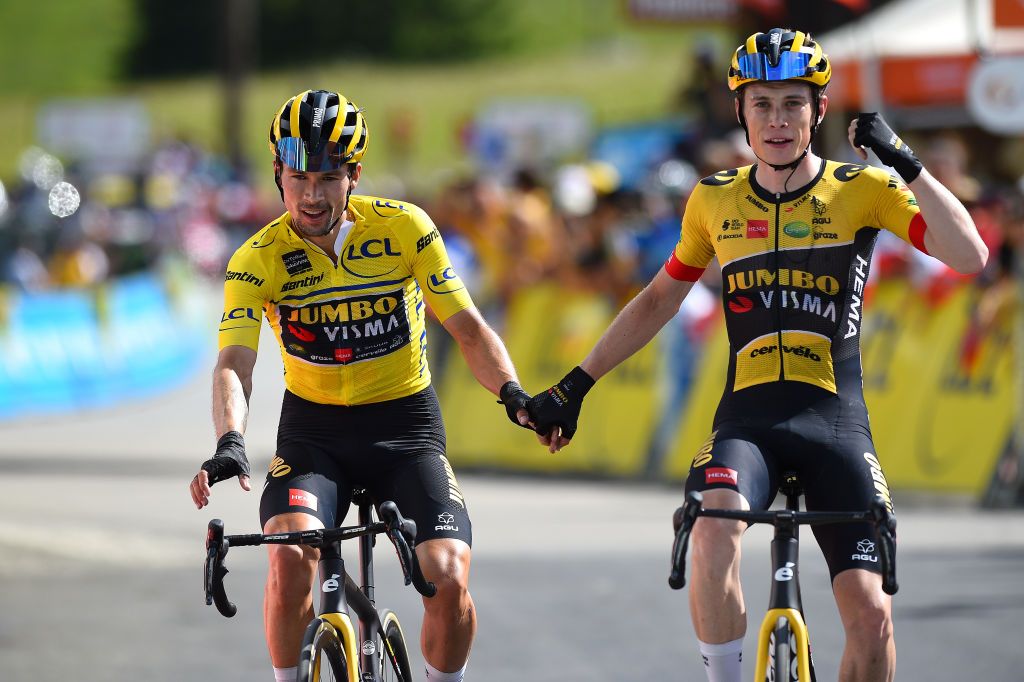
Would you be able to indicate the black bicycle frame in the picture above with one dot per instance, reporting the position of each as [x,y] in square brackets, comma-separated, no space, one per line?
[785,593]
[354,598]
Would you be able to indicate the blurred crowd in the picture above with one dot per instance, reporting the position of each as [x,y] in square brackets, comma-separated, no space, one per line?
[79,225]
[583,225]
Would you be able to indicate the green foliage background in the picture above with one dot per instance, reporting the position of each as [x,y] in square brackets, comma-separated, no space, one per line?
[440,65]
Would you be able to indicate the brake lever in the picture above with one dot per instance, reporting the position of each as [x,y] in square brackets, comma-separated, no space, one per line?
[885,527]
[683,521]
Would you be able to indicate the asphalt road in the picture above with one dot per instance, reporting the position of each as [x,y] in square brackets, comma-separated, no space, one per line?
[101,566]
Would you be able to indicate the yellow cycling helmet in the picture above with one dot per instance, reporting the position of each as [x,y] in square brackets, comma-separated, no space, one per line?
[779,55]
[318,130]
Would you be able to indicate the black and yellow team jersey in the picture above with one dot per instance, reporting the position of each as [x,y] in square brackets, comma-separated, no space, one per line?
[350,333]
[794,267]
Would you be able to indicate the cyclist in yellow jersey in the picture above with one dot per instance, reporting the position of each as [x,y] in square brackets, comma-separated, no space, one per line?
[793,234]
[344,282]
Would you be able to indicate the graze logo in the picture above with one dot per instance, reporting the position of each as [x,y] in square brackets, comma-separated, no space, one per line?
[301,498]
[720,475]
[860,276]
[446,521]
[757,229]
[246,277]
[425,240]
[865,551]
[826,235]
[308,281]
[279,468]
[296,262]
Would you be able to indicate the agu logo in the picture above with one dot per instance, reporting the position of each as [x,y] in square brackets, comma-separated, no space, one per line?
[446,521]
[720,475]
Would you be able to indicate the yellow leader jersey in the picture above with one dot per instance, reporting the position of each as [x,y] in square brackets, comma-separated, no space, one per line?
[794,267]
[349,333]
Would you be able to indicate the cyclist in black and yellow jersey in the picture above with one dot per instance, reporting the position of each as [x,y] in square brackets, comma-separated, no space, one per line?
[793,234]
[344,281]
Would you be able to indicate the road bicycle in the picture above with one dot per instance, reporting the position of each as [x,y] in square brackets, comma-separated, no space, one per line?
[330,648]
[783,645]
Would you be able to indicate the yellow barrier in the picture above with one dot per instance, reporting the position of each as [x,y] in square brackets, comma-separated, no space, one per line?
[550,330]
[940,417]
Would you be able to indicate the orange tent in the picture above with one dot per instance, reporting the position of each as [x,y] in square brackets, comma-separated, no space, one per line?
[919,53]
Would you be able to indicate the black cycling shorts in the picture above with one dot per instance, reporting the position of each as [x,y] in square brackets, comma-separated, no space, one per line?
[832,454]
[394,449]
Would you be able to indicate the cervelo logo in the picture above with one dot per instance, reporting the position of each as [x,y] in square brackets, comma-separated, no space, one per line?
[331,584]
[802,351]
[721,475]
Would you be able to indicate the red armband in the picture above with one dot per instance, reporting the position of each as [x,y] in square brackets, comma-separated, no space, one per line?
[679,270]
[916,233]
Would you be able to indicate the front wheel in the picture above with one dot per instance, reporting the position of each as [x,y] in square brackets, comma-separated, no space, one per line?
[392,654]
[323,657]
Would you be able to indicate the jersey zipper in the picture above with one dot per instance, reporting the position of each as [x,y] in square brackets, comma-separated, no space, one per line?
[778,290]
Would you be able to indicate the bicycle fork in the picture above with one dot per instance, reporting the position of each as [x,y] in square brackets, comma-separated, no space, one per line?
[785,600]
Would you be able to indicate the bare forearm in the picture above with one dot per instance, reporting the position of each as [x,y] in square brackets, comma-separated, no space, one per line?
[230,401]
[487,359]
[951,236]
[633,328]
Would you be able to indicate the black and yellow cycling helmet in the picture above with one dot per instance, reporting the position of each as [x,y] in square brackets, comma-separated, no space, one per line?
[318,130]
[776,56]
[779,55]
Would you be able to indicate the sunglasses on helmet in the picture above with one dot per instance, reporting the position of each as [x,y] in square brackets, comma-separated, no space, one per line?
[756,66]
[292,152]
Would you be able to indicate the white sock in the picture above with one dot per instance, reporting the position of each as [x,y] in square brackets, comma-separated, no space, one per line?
[434,675]
[286,674]
[723,662]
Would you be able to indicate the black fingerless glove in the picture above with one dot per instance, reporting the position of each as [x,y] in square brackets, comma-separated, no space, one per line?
[560,405]
[514,398]
[874,133]
[229,460]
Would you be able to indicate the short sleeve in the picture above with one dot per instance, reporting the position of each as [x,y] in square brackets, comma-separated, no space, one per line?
[246,287]
[443,289]
[896,210]
[694,250]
